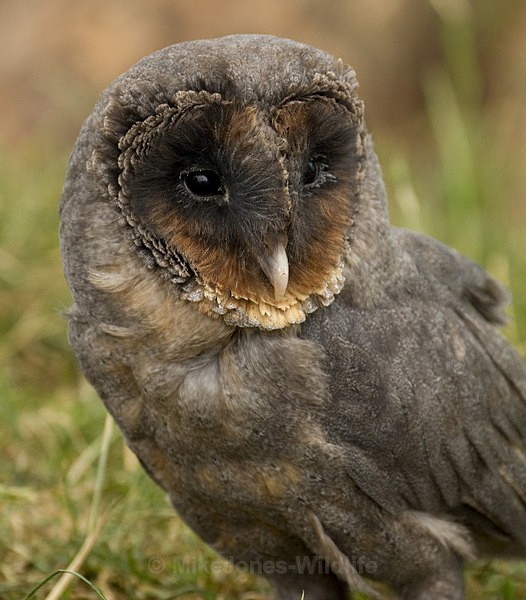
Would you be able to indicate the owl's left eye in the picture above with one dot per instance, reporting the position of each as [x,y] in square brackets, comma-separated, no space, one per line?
[312,172]
[316,172]
[203,183]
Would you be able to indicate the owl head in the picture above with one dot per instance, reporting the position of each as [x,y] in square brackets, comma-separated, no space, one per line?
[237,166]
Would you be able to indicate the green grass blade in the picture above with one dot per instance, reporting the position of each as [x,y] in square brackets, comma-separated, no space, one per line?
[67,572]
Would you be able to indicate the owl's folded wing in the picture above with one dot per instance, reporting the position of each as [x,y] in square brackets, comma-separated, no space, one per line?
[486,450]
[428,399]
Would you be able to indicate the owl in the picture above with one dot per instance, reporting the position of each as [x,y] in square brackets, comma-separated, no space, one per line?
[321,395]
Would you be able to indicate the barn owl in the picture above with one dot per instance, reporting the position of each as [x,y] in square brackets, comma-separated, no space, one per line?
[314,389]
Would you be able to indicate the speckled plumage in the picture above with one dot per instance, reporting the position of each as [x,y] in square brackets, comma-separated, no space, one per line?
[303,379]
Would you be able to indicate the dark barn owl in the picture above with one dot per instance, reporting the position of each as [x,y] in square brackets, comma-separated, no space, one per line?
[304,380]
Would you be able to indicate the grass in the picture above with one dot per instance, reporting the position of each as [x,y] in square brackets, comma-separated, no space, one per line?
[73,496]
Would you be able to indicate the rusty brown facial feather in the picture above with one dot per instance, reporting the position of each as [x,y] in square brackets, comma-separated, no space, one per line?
[283,174]
[318,129]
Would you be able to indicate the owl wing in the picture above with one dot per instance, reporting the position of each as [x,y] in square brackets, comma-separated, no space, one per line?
[107,366]
[484,453]
[429,401]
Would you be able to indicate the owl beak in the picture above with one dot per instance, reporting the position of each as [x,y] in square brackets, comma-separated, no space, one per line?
[275,265]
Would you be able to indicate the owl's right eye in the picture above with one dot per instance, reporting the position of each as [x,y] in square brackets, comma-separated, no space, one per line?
[203,183]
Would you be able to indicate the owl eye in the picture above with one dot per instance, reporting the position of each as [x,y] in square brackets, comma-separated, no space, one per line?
[202,182]
[316,173]
[312,174]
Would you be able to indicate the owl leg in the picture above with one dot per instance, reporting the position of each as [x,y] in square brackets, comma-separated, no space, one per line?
[312,586]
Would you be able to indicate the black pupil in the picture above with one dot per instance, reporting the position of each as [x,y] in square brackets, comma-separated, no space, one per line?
[203,183]
[311,173]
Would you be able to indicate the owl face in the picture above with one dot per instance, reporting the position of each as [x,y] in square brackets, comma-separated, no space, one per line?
[242,194]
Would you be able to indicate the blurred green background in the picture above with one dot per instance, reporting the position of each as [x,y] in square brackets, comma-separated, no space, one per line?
[444,82]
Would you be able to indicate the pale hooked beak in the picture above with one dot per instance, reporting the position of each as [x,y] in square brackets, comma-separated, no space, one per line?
[275,265]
